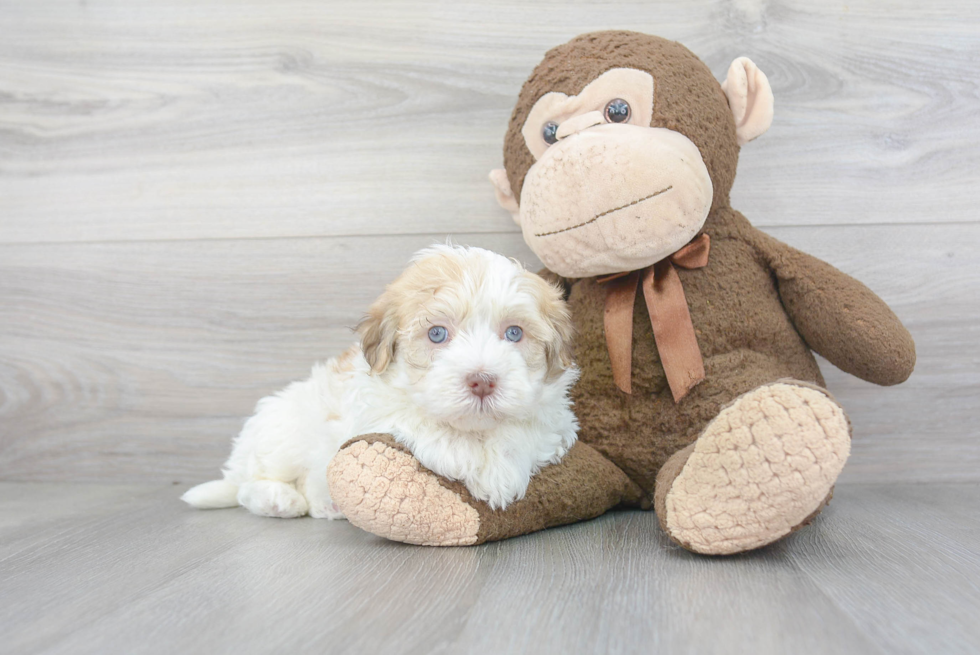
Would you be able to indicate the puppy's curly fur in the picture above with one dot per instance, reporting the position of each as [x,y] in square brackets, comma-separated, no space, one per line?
[473,403]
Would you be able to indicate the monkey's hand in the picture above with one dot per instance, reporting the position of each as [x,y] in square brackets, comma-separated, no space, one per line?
[840,318]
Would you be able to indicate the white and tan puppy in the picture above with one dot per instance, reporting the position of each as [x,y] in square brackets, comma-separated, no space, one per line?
[465,359]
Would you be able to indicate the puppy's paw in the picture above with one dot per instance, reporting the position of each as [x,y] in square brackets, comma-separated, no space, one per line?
[326,510]
[383,489]
[272,498]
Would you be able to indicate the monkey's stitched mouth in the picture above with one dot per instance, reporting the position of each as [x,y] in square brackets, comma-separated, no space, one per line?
[608,211]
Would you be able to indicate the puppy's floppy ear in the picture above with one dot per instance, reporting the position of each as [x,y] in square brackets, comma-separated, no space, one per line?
[558,349]
[379,332]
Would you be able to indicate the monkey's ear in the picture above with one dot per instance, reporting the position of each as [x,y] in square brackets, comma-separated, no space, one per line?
[505,197]
[750,98]
[378,332]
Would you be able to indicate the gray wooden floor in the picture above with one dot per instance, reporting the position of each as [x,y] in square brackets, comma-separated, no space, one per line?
[109,569]
[199,198]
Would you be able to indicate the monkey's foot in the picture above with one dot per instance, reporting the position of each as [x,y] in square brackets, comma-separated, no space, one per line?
[764,467]
[381,488]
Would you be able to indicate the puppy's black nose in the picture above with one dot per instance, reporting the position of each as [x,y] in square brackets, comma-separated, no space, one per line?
[481,384]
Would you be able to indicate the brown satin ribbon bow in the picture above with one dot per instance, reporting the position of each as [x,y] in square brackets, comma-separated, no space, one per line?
[673,331]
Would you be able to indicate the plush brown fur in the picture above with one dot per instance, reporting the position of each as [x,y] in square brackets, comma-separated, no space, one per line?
[758,307]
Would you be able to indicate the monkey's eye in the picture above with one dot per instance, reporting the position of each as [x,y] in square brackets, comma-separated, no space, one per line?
[550,132]
[617,111]
[513,333]
[438,334]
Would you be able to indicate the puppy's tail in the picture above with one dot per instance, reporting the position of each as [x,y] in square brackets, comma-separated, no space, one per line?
[212,495]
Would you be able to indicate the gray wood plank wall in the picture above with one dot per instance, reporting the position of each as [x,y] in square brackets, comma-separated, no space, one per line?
[199,198]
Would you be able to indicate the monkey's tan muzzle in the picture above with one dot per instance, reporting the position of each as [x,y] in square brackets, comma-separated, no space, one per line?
[614,198]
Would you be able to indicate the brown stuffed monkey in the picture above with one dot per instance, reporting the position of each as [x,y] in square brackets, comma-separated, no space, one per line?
[700,397]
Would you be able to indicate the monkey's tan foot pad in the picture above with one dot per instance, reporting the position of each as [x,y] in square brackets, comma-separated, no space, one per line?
[762,468]
[381,488]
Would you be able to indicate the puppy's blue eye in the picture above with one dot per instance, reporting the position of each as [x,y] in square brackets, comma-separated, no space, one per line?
[438,334]
[513,333]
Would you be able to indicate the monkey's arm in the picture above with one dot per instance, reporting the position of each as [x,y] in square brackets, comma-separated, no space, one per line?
[839,317]
[381,488]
